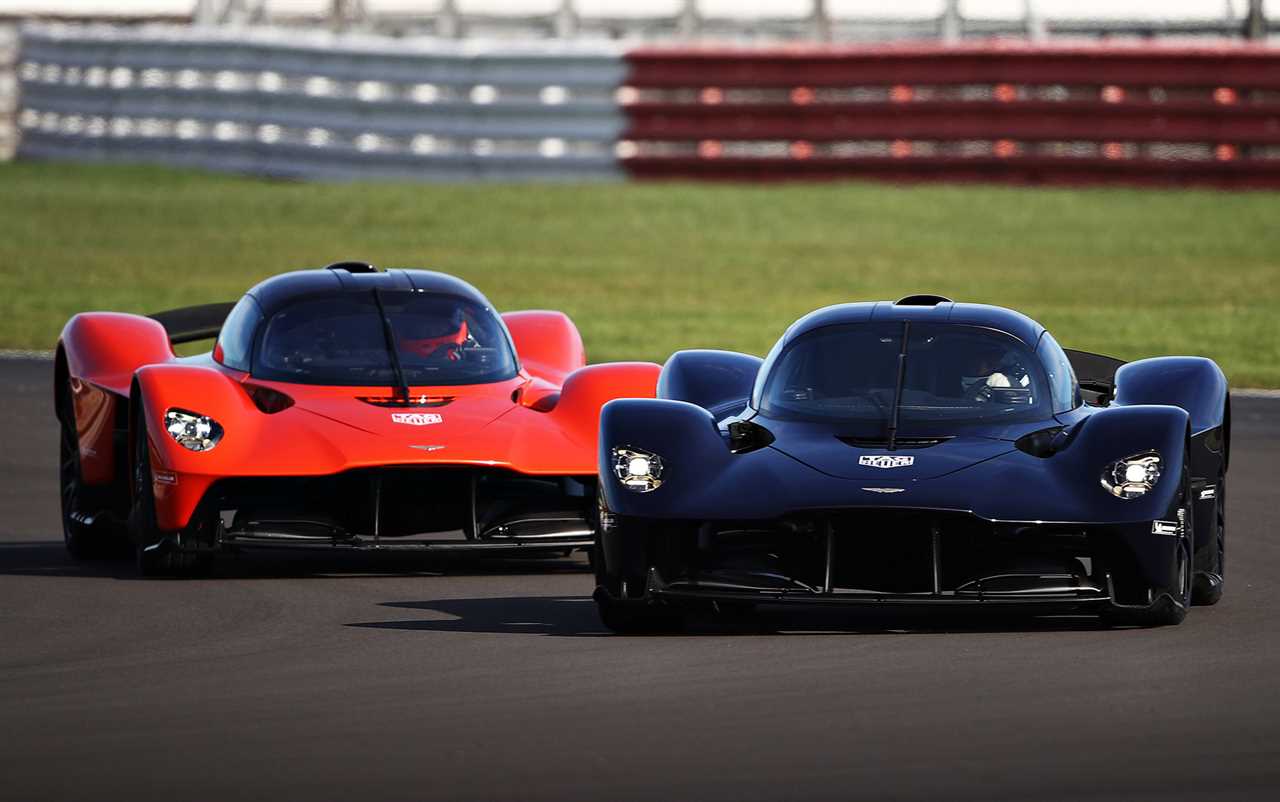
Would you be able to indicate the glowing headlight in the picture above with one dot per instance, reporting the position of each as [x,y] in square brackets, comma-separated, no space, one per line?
[1130,478]
[637,470]
[192,430]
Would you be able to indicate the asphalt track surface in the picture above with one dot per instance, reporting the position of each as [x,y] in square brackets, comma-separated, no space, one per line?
[290,677]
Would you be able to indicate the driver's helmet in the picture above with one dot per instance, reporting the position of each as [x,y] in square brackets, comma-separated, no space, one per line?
[427,335]
[994,367]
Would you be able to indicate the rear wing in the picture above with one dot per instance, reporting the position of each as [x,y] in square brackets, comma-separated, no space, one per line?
[193,323]
[1096,374]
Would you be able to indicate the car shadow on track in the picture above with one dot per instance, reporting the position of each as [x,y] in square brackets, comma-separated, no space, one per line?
[49,558]
[575,616]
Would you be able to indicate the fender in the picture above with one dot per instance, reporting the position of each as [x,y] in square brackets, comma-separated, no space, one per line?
[548,344]
[97,355]
[718,381]
[181,477]
[1066,486]
[106,348]
[587,389]
[1193,383]
[694,454]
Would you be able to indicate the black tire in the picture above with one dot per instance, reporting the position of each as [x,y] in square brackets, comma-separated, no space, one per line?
[638,617]
[619,615]
[1171,608]
[83,540]
[158,553]
[1207,590]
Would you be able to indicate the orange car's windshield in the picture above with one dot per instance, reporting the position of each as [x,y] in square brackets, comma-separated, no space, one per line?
[340,339]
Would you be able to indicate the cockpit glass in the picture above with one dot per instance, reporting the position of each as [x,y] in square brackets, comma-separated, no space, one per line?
[952,372]
[340,339]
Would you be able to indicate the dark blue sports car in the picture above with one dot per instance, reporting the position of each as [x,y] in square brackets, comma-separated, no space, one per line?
[917,452]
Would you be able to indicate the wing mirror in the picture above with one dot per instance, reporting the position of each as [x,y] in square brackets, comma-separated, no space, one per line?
[745,435]
[1044,443]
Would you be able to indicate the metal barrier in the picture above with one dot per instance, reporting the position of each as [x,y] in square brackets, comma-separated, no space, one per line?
[315,105]
[995,112]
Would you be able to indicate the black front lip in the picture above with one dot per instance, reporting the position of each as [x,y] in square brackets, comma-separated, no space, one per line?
[659,590]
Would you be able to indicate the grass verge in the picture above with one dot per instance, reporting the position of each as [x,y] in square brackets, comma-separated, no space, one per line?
[645,269]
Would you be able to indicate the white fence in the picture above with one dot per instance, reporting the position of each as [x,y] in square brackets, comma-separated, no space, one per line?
[683,20]
[318,106]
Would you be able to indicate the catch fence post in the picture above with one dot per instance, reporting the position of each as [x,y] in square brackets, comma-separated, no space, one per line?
[821,21]
[1255,25]
[448,25]
[689,24]
[951,31]
[1036,29]
[566,21]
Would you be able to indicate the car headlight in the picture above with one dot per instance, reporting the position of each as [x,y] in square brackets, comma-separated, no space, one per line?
[637,469]
[1133,476]
[191,430]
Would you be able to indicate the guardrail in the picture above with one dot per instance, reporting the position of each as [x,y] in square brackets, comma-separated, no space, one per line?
[315,105]
[994,112]
[320,106]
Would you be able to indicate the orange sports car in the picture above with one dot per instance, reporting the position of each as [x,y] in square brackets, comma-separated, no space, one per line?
[344,407]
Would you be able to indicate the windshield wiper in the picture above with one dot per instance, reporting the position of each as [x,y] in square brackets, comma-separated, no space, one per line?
[389,335]
[897,391]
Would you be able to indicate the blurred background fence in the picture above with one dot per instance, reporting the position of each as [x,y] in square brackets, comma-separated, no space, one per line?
[559,90]
[1013,112]
[663,20]
[286,104]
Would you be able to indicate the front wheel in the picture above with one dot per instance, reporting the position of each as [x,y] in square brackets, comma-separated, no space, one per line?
[159,553]
[636,617]
[619,614]
[1171,608]
[1209,585]
[84,537]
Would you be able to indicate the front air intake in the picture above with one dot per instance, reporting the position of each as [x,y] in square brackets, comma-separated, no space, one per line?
[922,300]
[353,267]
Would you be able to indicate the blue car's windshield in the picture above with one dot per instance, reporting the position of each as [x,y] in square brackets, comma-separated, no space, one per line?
[955,373]
[340,339]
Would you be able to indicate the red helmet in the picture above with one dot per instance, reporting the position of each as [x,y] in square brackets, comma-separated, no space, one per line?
[428,346]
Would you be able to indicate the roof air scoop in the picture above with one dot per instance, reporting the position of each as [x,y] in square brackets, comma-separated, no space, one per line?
[922,300]
[353,267]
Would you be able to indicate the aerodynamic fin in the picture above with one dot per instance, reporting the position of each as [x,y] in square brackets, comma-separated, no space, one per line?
[193,323]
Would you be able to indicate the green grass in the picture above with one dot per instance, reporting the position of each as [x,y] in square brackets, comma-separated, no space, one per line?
[647,269]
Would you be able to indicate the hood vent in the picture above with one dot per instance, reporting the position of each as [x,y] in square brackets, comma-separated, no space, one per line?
[899,442]
[416,401]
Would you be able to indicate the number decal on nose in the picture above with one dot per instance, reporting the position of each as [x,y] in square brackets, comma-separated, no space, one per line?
[885,461]
[416,418]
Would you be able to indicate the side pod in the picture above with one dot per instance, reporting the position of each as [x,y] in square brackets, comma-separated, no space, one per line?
[719,381]
[97,356]
[587,389]
[1194,383]
[547,343]
[105,348]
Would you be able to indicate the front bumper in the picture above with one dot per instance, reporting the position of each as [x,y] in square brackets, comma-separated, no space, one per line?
[907,558]
[394,509]
[659,590]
